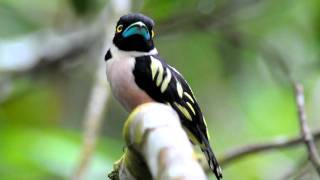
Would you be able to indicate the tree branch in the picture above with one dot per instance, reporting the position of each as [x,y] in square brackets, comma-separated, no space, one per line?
[157,141]
[47,49]
[304,128]
[195,19]
[276,144]
[100,92]
[281,143]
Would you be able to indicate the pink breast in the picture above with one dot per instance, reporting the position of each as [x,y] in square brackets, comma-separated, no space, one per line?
[123,84]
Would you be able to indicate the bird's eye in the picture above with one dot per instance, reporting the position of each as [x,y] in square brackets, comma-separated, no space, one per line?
[152,33]
[119,28]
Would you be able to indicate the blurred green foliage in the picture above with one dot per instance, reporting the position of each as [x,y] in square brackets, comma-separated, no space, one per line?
[228,51]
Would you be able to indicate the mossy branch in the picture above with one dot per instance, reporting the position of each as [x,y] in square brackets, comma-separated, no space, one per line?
[157,147]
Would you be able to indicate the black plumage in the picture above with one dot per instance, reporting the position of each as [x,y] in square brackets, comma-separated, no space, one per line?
[158,81]
[196,125]
[108,55]
[135,42]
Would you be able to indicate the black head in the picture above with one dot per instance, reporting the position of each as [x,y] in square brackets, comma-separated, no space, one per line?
[134,32]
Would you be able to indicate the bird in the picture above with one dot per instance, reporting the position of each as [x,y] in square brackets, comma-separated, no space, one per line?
[137,75]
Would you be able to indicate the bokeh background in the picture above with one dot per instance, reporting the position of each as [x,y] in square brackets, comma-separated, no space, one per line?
[238,56]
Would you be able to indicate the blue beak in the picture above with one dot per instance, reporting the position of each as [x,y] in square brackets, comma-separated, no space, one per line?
[137,28]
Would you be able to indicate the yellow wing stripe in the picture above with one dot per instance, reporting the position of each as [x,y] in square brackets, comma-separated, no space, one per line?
[189,97]
[156,66]
[205,123]
[179,89]
[192,109]
[166,81]
[184,111]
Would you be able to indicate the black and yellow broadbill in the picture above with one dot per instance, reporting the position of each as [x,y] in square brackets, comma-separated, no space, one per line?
[138,75]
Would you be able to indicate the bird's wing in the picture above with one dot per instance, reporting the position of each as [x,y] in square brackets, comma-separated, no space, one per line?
[165,84]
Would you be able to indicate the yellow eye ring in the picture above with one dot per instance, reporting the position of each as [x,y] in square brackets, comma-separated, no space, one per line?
[119,28]
[152,33]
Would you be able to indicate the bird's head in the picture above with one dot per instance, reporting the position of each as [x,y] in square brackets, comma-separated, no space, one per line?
[134,32]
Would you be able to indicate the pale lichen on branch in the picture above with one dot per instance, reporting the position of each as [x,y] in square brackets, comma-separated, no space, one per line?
[157,146]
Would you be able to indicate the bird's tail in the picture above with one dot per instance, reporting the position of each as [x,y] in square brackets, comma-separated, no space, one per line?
[211,158]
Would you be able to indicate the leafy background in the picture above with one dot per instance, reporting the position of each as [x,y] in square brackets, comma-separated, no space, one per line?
[228,50]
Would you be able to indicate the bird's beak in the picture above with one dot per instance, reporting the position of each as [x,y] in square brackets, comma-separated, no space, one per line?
[138,28]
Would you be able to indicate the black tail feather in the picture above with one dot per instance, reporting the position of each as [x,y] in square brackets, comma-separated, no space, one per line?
[211,158]
[212,161]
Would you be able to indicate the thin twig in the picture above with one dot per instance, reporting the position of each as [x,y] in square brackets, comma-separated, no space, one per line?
[100,91]
[276,144]
[194,19]
[98,99]
[305,130]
